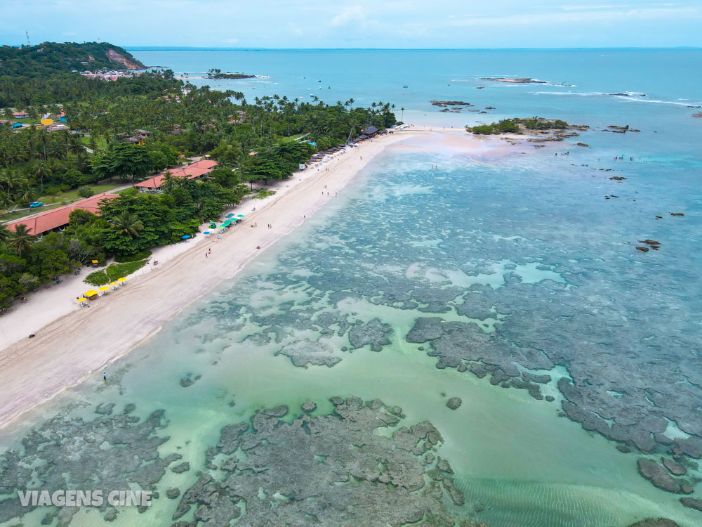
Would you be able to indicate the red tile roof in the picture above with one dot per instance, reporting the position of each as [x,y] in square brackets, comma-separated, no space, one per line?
[192,171]
[55,218]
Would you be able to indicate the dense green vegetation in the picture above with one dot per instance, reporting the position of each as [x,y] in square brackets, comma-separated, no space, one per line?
[50,57]
[518,126]
[114,272]
[125,131]
[219,74]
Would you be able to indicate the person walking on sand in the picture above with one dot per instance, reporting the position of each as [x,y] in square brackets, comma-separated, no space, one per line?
[104,377]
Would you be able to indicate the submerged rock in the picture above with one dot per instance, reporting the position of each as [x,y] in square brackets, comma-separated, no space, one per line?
[658,522]
[692,503]
[173,493]
[309,407]
[181,467]
[189,379]
[327,470]
[454,403]
[661,478]
[110,452]
[374,333]
[674,467]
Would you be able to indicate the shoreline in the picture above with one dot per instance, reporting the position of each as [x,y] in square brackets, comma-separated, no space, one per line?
[76,344]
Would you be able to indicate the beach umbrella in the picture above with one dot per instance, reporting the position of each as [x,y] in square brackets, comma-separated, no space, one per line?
[121,280]
[104,289]
[185,237]
[81,299]
[227,223]
[114,284]
[213,225]
[240,216]
[230,215]
[91,293]
[206,233]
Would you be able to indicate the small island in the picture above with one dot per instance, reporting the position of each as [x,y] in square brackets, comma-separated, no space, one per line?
[217,74]
[515,80]
[534,125]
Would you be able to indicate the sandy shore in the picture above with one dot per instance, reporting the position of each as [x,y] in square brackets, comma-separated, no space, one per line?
[72,344]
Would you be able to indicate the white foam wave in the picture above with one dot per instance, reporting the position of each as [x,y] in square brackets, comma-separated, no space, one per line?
[625,96]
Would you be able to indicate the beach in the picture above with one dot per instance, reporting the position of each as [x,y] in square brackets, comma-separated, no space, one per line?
[72,344]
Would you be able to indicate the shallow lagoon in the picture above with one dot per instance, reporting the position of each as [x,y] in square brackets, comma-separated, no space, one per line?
[420,235]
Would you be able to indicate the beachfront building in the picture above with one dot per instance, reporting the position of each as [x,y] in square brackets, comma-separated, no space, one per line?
[368,132]
[196,170]
[58,218]
[57,127]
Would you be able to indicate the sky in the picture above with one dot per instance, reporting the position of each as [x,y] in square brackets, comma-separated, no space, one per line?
[356,23]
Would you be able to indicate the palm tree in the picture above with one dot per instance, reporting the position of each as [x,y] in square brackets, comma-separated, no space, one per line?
[42,171]
[4,234]
[20,240]
[128,223]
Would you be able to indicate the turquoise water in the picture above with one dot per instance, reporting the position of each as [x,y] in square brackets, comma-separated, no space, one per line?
[520,262]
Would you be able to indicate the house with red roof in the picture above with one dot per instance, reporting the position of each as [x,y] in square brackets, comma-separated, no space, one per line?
[54,219]
[195,170]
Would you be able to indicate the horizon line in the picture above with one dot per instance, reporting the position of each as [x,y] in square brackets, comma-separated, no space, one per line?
[138,47]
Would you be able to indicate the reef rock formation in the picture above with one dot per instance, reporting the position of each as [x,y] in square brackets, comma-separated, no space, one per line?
[111,452]
[326,470]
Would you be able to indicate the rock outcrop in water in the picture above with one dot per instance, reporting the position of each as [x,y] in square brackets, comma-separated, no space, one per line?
[658,522]
[111,452]
[325,470]
[692,503]
[658,475]
[374,333]
[454,403]
[451,106]
[515,80]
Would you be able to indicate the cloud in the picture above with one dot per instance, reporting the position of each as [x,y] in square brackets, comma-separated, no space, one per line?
[360,23]
[600,14]
[348,15]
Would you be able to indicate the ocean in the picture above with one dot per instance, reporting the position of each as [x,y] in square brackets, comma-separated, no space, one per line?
[513,283]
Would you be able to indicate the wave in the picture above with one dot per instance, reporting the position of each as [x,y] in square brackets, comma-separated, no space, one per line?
[625,96]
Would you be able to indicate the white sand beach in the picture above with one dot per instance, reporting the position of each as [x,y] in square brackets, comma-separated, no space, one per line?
[71,344]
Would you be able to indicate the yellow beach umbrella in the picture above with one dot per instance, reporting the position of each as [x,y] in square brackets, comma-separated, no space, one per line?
[90,294]
[47,122]
[114,284]
[81,299]
[121,280]
[104,289]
